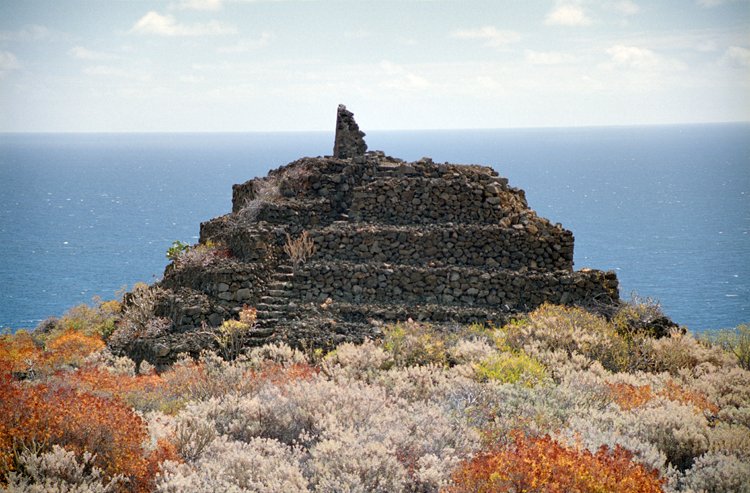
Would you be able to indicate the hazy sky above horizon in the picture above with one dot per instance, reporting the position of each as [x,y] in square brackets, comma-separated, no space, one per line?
[264,65]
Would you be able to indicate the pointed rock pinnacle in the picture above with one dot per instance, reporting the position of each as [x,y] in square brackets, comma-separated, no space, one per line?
[349,141]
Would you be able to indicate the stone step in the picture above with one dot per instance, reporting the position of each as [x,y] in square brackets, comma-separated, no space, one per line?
[267,324]
[282,276]
[266,307]
[260,333]
[285,269]
[274,300]
[279,293]
[279,285]
[271,314]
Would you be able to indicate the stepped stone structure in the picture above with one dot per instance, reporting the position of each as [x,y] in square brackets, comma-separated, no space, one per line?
[387,240]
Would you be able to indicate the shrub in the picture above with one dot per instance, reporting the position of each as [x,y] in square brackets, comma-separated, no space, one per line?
[299,249]
[59,470]
[541,464]
[718,472]
[345,463]
[683,352]
[629,396]
[675,429]
[233,335]
[511,368]
[40,416]
[357,361]
[471,350]
[91,320]
[70,348]
[735,341]
[200,255]
[641,316]
[414,343]
[177,249]
[572,330]
[19,352]
[278,353]
[259,465]
[139,320]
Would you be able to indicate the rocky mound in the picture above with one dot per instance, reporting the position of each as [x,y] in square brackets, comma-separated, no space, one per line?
[326,248]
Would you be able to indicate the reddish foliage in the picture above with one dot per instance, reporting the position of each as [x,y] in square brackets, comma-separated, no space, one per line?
[630,396]
[542,465]
[70,348]
[77,421]
[280,375]
[103,382]
[675,392]
[17,351]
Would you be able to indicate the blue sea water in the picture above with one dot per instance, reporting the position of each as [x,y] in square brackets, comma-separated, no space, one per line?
[667,207]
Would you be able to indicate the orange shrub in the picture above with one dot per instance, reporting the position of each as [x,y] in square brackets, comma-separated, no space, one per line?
[675,392]
[630,396]
[41,416]
[281,375]
[70,348]
[542,465]
[17,351]
[142,392]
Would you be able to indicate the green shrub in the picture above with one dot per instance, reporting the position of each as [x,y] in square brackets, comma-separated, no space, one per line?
[736,341]
[176,250]
[511,368]
[413,343]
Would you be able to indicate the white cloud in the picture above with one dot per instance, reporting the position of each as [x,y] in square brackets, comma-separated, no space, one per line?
[634,57]
[402,78]
[248,45]
[492,36]
[627,7]
[110,71]
[357,34]
[166,25]
[31,32]
[736,56]
[547,57]
[199,5]
[85,54]
[8,62]
[105,71]
[567,15]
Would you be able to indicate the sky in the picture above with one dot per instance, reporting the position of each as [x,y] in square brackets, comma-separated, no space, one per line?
[276,65]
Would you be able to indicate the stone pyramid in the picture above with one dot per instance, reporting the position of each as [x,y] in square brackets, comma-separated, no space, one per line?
[373,239]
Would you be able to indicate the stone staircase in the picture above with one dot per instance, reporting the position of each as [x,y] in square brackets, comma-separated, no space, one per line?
[277,306]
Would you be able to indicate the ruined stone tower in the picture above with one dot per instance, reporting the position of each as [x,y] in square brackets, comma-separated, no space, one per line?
[387,240]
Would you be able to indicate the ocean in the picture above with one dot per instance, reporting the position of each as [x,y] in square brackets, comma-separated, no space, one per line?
[667,207]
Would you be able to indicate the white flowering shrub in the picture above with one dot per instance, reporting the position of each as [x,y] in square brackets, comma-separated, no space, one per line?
[718,472]
[59,471]
[570,330]
[356,361]
[259,465]
[411,412]
[471,350]
[346,463]
[278,353]
[680,351]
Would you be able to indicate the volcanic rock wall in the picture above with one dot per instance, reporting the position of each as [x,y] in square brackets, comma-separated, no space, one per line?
[392,240]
